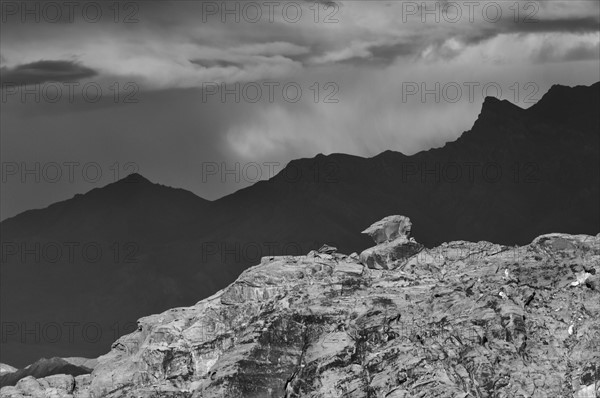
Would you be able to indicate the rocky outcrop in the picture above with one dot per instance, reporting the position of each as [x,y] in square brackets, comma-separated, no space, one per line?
[4,368]
[389,228]
[394,247]
[460,320]
[44,367]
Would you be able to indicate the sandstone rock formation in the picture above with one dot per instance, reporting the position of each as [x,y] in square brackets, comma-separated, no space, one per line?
[462,320]
[393,244]
[5,368]
[389,228]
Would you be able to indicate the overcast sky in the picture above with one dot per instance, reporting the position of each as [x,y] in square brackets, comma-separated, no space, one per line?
[312,78]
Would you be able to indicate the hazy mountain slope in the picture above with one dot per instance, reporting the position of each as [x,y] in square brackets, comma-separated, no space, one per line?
[132,208]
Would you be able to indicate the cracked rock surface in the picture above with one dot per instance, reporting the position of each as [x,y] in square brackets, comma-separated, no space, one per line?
[459,320]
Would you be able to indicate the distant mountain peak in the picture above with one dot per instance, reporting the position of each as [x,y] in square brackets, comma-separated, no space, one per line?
[494,103]
[561,98]
[492,111]
[135,178]
[491,100]
[561,88]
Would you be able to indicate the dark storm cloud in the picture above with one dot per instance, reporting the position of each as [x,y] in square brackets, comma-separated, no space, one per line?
[44,71]
[552,53]
[384,54]
[391,51]
[435,37]
[582,52]
[212,63]
[570,25]
[566,25]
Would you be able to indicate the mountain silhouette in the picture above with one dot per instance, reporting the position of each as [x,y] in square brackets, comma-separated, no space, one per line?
[132,208]
[517,174]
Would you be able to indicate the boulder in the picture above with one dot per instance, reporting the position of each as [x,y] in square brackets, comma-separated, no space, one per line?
[389,228]
[30,386]
[4,368]
[61,382]
[326,249]
[390,255]
[587,392]
[394,247]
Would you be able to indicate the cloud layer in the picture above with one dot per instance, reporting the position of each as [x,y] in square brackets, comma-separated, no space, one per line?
[44,71]
[182,83]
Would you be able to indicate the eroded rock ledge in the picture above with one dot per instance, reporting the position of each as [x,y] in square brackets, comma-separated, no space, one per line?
[460,320]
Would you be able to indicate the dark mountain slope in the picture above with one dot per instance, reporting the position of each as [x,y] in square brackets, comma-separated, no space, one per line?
[514,167]
[132,208]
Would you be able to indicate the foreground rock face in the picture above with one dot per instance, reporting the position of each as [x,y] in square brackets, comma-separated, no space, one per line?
[461,320]
[55,386]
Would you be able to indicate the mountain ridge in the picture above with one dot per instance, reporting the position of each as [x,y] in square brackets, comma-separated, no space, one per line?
[489,104]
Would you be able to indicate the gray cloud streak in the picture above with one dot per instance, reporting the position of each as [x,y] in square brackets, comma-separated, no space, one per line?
[44,71]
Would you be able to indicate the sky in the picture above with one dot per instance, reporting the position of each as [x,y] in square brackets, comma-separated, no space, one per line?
[212,96]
